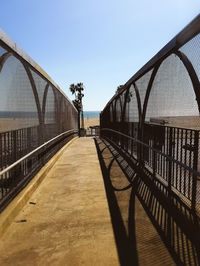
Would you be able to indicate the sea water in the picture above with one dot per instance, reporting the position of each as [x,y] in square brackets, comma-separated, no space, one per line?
[91,114]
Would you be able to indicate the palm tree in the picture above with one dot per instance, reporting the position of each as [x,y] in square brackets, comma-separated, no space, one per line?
[77,90]
[119,89]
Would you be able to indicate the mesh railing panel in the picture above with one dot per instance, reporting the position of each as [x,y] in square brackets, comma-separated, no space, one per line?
[159,136]
[40,84]
[192,50]
[50,109]
[32,112]
[17,104]
[132,112]
[142,84]
[172,97]
[2,51]
[118,110]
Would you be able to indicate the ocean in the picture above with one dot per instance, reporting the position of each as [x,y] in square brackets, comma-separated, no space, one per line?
[91,114]
[18,114]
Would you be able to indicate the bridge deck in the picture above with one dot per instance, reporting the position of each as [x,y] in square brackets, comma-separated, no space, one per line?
[68,222]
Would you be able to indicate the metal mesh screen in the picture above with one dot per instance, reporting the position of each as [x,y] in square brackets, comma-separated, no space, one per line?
[142,84]
[132,112]
[2,51]
[17,104]
[172,97]
[118,110]
[33,113]
[192,50]
[40,84]
[28,99]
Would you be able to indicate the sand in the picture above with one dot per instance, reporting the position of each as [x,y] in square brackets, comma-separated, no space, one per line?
[9,124]
[190,122]
[91,122]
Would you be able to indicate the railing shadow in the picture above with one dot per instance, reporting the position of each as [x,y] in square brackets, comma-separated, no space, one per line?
[126,244]
[177,225]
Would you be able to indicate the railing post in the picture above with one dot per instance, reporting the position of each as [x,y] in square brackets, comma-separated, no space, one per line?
[170,143]
[154,157]
[17,170]
[195,165]
[29,147]
[169,161]
[14,149]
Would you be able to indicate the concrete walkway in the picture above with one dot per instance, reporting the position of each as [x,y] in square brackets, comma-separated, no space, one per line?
[66,221]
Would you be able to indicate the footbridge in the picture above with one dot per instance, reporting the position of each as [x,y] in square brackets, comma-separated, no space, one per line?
[129,196]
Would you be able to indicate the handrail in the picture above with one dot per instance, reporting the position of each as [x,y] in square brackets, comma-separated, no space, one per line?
[32,152]
[157,151]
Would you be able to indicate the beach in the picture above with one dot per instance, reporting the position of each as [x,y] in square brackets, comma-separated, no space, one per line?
[190,122]
[91,122]
[9,124]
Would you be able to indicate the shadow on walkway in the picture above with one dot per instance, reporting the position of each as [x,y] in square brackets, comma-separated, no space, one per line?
[126,243]
[175,224]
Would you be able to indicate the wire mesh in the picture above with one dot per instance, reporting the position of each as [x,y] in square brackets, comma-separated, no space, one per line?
[160,133]
[192,50]
[32,112]
[142,84]
[172,98]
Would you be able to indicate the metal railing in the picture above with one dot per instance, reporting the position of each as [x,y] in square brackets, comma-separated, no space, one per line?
[15,176]
[152,127]
[155,117]
[177,225]
[92,131]
[182,178]
[36,119]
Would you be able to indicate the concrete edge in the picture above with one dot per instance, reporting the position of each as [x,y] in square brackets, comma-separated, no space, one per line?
[11,211]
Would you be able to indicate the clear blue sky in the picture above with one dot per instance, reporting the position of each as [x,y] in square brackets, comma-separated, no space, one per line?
[101,43]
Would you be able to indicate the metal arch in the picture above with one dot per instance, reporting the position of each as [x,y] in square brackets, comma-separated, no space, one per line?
[192,73]
[121,105]
[114,109]
[150,84]
[34,88]
[3,59]
[118,98]
[56,105]
[60,109]
[125,103]
[44,102]
[113,115]
[139,135]
[110,113]
[138,101]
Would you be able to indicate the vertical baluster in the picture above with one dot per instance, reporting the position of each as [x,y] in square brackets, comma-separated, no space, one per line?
[181,160]
[177,157]
[185,163]
[190,165]
[170,161]
[195,164]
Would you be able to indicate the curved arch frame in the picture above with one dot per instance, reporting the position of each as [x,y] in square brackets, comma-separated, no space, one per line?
[148,91]
[3,60]
[192,73]
[44,101]
[37,101]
